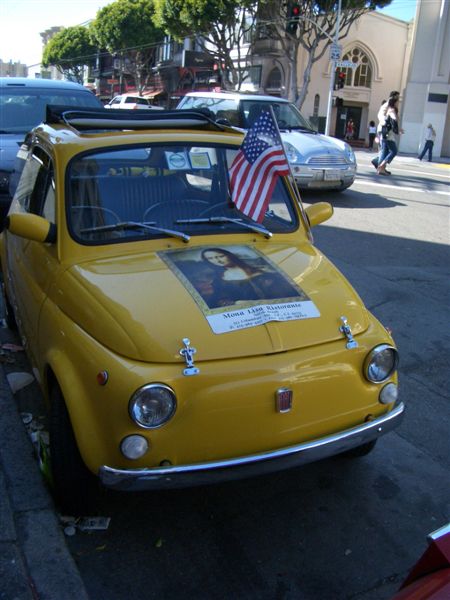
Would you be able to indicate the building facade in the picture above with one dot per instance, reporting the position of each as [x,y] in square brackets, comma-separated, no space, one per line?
[427,89]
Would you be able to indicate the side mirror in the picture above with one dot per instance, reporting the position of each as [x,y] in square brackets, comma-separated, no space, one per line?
[31,227]
[318,213]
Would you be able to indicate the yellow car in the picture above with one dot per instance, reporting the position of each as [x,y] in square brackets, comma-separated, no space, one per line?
[177,340]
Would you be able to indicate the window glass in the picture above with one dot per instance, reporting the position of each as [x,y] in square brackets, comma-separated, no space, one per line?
[21,109]
[121,195]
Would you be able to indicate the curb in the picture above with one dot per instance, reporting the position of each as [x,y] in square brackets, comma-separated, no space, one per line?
[34,559]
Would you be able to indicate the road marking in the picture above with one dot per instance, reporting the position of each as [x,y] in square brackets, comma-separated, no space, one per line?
[399,188]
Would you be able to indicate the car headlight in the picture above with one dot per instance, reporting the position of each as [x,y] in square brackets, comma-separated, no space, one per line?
[152,405]
[349,154]
[380,363]
[292,153]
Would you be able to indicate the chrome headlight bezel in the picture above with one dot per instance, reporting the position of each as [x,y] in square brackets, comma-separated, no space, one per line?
[349,154]
[374,362]
[293,155]
[150,399]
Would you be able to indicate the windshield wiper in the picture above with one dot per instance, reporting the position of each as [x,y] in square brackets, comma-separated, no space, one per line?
[299,128]
[150,225]
[258,228]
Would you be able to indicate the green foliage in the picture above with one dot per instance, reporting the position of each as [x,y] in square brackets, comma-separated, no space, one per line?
[125,24]
[69,50]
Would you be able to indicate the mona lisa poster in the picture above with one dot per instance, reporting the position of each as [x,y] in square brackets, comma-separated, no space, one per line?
[238,287]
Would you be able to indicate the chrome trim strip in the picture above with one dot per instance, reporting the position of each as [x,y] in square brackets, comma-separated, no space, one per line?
[246,466]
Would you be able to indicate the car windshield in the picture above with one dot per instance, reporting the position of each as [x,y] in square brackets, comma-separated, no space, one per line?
[242,113]
[180,191]
[23,108]
[288,116]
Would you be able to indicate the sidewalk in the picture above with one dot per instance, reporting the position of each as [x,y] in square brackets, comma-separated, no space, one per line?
[404,158]
[35,563]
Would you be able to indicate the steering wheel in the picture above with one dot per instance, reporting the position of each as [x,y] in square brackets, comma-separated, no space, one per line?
[223,205]
[101,209]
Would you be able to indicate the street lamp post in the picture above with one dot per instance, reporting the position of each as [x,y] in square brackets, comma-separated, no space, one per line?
[333,70]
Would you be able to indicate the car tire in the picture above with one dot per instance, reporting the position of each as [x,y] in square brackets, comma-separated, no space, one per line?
[361,450]
[73,484]
[10,319]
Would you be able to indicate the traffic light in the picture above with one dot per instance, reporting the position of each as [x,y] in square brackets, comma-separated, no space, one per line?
[340,80]
[293,16]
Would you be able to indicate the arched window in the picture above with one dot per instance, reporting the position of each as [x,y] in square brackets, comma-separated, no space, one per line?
[274,80]
[361,75]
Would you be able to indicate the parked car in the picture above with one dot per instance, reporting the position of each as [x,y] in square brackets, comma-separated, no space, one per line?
[22,106]
[429,579]
[318,162]
[178,341]
[131,101]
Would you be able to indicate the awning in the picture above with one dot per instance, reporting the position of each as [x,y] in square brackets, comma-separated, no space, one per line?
[152,94]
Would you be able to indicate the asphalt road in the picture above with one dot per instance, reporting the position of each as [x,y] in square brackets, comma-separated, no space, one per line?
[342,528]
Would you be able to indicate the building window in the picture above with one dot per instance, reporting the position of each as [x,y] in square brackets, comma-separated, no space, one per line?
[274,80]
[361,75]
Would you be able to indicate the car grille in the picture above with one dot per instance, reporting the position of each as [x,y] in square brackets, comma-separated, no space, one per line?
[327,160]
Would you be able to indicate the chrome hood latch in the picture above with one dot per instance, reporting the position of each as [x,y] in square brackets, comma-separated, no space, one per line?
[188,353]
[346,330]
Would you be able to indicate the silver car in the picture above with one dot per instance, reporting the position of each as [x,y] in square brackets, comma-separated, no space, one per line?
[317,161]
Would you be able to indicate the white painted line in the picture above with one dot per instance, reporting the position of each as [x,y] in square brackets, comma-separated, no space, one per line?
[399,188]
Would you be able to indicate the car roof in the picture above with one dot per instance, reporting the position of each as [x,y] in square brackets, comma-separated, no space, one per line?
[236,96]
[21,82]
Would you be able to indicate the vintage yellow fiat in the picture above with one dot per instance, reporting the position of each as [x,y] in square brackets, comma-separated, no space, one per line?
[178,337]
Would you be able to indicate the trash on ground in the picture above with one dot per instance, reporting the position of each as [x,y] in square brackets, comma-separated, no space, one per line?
[12,347]
[6,358]
[93,523]
[19,380]
[26,418]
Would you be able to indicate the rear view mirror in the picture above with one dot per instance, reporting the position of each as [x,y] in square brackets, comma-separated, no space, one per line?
[31,227]
[318,213]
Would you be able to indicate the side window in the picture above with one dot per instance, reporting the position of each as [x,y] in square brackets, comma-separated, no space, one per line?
[42,198]
[27,182]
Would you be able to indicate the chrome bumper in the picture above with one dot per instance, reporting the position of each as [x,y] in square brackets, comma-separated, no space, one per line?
[248,466]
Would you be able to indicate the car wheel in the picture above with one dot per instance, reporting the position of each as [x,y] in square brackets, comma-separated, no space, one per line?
[73,483]
[9,313]
[361,450]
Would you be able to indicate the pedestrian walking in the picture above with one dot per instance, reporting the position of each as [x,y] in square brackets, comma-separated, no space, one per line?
[390,132]
[381,122]
[349,130]
[372,134]
[430,136]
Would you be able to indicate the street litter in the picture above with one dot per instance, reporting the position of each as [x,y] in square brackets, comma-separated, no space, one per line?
[19,380]
[71,524]
[12,347]
[26,418]
[6,358]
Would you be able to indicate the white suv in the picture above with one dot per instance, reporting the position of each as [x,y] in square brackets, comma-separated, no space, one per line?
[317,161]
[130,101]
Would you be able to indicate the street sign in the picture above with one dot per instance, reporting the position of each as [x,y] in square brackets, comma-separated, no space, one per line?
[346,64]
[335,51]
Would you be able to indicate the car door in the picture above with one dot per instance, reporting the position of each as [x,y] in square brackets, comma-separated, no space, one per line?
[32,265]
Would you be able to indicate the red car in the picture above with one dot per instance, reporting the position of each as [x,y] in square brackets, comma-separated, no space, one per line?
[430,576]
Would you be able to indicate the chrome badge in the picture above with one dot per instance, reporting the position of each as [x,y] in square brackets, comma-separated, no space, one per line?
[346,330]
[283,400]
[188,354]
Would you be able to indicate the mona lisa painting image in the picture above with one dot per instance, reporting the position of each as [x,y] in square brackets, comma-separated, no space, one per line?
[231,276]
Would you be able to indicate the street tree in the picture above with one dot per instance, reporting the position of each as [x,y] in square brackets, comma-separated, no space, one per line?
[219,26]
[70,50]
[125,28]
[310,24]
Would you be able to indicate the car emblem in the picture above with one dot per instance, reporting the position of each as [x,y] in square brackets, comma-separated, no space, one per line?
[188,353]
[346,330]
[283,400]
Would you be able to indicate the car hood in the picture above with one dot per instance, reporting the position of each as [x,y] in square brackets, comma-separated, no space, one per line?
[9,146]
[138,307]
[313,143]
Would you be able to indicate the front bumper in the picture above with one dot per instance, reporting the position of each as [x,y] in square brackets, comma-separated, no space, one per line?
[248,466]
[323,178]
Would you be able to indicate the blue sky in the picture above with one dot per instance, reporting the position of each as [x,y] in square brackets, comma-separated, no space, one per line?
[23,20]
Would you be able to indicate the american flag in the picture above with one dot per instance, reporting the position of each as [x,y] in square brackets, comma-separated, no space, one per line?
[257,166]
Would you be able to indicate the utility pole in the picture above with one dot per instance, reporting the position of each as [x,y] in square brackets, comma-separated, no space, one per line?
[333,69]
